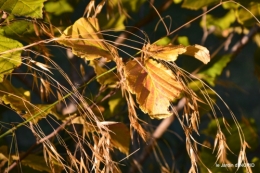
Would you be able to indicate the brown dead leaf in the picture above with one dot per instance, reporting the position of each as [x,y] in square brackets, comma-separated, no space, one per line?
[154,86]
[86,41]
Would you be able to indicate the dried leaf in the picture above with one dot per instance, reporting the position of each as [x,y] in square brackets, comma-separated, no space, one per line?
[167,53]
[86,41]
[171,52]
[154,85]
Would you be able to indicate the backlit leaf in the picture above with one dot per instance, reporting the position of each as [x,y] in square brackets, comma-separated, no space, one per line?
[195,5]
[247,18]
[86,41]
[154,86]
[221,22]
[10,60]
[210,72]
[28,8]
[171,52]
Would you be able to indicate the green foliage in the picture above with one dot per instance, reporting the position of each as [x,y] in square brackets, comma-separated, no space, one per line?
[9,57]
[210,72]
[25,8]
[195,5]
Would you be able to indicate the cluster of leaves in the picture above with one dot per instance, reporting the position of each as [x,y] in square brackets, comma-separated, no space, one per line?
[149,78]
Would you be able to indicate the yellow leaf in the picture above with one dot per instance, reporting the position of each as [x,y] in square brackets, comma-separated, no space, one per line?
[199,52]
[86,40]
[171,52]
[166,53]
[154,86]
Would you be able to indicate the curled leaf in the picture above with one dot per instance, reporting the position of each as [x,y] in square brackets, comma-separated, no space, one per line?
[167,53]
[154,86]
[171,52]
[86,41]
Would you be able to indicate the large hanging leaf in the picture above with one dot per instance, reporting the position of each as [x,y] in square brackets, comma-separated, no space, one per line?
[28,8]
[171,52]
[154,86]
[10,60]
[86,40]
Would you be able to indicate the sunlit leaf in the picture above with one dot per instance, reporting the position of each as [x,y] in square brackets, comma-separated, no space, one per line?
[210,72]
[116,22]
[183,40]
[154,86]
[221,22]
[28,8]
[116,103]
[171,52]
[195,5]
[247,18]
[58,7]
[163,41]
[120,135]
[11,59]
[86,41]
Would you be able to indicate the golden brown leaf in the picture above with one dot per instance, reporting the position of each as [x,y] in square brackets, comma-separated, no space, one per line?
[86,41]
[154,85]
[166,53]
[171,52]
[199,52]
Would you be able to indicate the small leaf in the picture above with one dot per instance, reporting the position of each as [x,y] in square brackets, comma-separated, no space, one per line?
[120,135]
[116,22]
[221,22]
[247,18]
[183,40]
[58,7]
[154,86]
[210,72]
[86,41]
[163,41]
[28,8]
[199,52]
[195,5]
[11,59]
